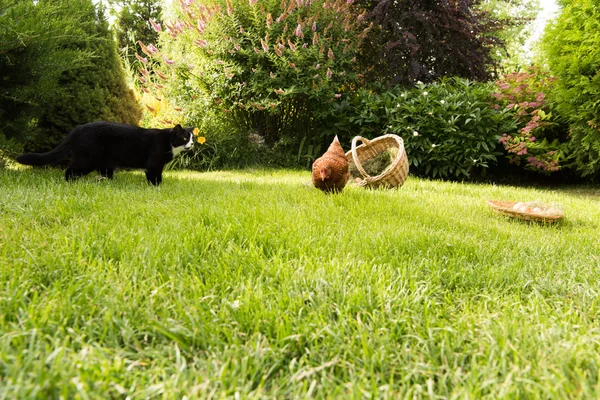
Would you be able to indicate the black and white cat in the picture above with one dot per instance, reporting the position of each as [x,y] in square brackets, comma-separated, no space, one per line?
[106,146]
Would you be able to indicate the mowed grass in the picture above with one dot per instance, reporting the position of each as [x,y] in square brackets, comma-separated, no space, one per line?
[253,284]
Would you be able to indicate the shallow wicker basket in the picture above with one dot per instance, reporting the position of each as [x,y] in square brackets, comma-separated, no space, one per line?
[394,175]
[505,208]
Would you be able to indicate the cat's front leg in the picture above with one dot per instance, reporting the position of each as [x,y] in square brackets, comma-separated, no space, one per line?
[154,176]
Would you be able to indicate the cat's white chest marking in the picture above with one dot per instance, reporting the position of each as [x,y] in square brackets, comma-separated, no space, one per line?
[179,149]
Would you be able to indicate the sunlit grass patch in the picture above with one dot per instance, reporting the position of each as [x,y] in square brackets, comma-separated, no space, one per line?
[253,282]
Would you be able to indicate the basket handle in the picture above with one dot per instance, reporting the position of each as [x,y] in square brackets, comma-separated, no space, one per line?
[355,156]
[401,151]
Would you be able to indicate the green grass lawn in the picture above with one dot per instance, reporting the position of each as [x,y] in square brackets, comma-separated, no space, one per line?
[254,284]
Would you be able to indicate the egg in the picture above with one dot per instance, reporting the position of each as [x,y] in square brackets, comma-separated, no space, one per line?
[537,210]
[518,206]
[525,209]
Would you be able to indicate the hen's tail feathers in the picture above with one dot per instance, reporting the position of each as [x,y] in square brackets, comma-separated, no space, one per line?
[55,155]
[336,147]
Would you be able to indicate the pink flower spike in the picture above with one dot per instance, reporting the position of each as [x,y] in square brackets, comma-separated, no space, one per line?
[330,54]
[329,73]
[337,95]
[531,139]
[201,43]
[314,26]
[142,59]
[152,48]
[299,31]
[155,25]
[253,2]
[169,62]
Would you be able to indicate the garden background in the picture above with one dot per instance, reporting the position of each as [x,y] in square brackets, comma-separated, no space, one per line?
[269,83]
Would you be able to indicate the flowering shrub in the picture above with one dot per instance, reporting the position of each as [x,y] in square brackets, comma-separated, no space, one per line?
[271,67]
[449,129]
[535,144]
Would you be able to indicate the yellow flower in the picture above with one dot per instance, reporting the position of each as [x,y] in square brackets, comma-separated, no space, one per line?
[196,131]
[201,139]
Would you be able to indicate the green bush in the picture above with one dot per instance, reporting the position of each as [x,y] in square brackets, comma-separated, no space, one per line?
[97,91]
[225,147]
[33,55]
[271,68]
[449,128]
[572,48]
[59,73]
[540,142]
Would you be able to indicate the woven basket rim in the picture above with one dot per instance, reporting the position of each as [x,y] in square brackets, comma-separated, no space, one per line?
[505,208]
[390,169]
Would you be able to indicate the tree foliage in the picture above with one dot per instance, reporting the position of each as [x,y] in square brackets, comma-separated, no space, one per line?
[519,17]
[133,24]
[423,40]
[572,47]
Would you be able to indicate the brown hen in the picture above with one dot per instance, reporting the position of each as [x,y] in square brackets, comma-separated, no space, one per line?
[330,171]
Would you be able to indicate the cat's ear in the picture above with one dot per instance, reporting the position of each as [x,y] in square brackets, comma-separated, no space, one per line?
[178,127]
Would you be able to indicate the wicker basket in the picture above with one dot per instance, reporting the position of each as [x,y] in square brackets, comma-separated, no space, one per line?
[394,175]
[549,215]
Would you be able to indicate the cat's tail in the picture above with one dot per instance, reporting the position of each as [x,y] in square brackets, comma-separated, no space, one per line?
[53,156]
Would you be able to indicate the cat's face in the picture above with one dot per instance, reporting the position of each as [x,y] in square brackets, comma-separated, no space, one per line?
[181,139]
